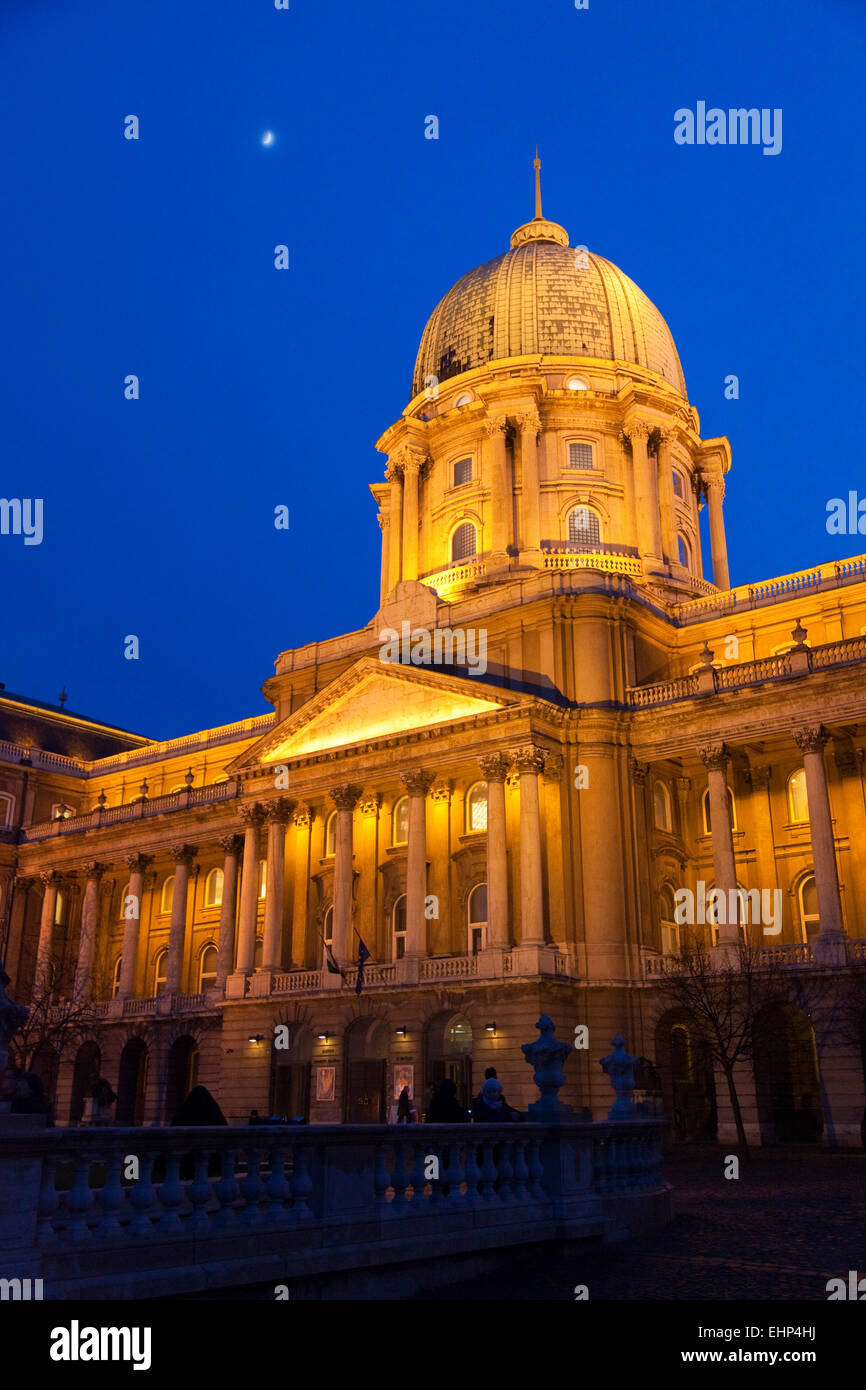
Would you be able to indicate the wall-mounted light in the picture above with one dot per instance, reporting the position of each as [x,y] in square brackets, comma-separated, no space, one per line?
[402,1032]
[323,1037]
[490,1028]
[257,1038]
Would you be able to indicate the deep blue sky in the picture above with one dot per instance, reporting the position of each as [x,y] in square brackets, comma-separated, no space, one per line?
[260,387]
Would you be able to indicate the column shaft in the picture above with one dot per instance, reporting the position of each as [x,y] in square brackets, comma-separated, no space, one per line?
[137,863]
[231,845]
[667,505]
[87,937]
[646,492]
[530,761]
[252,817]
[811,742]
[417,784]
[345,799]
[715,760]
[500,500]
[46,929]
[718,545]
[272,947]
[495,769]
[395,543]
[182,855]
[410,518]
[530,523]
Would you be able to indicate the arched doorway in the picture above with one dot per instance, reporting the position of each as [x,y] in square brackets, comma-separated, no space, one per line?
[84,1073]
[449,1054]
[687,1082]
[132,1083]
[786,1076]
[290,1075]
[366,1066]
[181,1075]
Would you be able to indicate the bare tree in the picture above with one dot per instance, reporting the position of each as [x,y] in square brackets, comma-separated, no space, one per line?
[725,992]
[51,1028]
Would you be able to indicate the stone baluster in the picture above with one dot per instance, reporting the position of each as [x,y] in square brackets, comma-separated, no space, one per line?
[183,856]
[472,1173]
[111,1196]
[143,1198]
[226,1192]
[521,1170]
[382,1180]
[252,1188]
[277,1188]
[506,1171]
[399,1180]
[452,1175]
[536,1169]
[488,1172]
[199,1193]
[302,1182]
[417,1181]
[231,846]
[171,1193]
[49,1202]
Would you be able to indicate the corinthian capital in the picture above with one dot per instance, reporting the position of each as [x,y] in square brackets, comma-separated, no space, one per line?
[529,760]
[394,472]
[278,811]
[93,869]
[137,863]
[345,797]
[253,815]
[638,771]
[495,766]
[714,757]
[495,424]
[636,430]
[811,738]
[529,421]
[50,877]
[417,782]
[303,817]
[231,844]
[182,854]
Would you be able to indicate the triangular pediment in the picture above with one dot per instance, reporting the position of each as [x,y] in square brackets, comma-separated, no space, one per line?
[373,700]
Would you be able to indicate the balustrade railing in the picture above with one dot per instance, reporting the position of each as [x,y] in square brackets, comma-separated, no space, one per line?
[787,586]
[141,809]
[745,673]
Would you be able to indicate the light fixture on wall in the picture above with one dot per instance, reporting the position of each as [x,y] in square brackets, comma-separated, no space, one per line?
[490,1028]
[323,1037]
[257,1038]
[402,1032]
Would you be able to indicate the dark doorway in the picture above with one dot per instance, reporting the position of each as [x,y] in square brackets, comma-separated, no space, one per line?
[84,1073]
[290,1091]
[132,1083]
[365,1103]
[685,1076]
[786,1077]
[182,1074]
[456,1069]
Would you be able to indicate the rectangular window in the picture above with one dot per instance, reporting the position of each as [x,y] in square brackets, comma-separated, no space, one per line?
[462,472]
[678,484]
[580,456]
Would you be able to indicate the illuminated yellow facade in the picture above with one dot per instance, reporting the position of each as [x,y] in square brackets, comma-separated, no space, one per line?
[499,784]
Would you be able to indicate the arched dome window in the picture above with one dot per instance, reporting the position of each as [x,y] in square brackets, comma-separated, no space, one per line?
[679,486]
[400,832]
[684,551]
[476,808]
[463,399]
[463,543]
[798,802]
[583,527]
[576,383]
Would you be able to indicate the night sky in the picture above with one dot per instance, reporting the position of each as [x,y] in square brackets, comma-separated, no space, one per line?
[261,387]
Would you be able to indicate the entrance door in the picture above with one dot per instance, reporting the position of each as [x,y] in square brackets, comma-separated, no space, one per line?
[291,1097]
[458,1070]
[365,1102]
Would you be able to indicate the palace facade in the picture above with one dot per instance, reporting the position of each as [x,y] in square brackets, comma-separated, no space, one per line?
[506,835]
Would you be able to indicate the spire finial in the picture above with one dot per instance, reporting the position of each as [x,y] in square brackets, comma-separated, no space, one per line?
[537,167]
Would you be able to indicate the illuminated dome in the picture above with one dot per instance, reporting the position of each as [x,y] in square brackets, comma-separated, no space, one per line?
[545,297]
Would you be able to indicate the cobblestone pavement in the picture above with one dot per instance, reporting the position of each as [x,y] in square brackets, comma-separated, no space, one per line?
[790,1222]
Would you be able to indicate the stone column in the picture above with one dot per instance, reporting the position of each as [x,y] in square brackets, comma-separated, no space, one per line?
[417,784]
[51,882]
[495,768]
[645,491]
[394,475]
[136,863]
[231,847]
[530,762]
[648,933]
[89,922]
[530,501]
[303,819]
[277,813]
[411,469]
[183,856]
[829,947]
[667,504]
[385,528]
[252,817]
[715,760]
[715,490]
[500,493]
[345,798]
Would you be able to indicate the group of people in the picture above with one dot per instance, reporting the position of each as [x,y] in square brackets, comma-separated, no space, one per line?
[488,1107]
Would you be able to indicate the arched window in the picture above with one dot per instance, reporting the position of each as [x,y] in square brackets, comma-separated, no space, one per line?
[476,808]
[680,1064]
[662,807]
[477,918]
[462,472]
[679,490]
[732,811]
[167,895]
[59,908]
[331,835]
[798,802]
[207,967]
[575,383]
[684,552]
[7,810]
[715,910]
[257,953]
[458,1039]
[400,823]
[213,888]
[399,922]
[121,911]
[115,977]
[328,925]
[463,544]
[263,877]
[807,896]
[583,527]
[159,969]
[463,399]
[670,932]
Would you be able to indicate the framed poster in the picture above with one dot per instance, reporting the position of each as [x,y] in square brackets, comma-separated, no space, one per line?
[326,1080]
[404,1075]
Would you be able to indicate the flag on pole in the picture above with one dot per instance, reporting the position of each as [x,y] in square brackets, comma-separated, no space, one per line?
[330,958]
[363,955]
